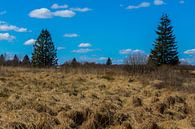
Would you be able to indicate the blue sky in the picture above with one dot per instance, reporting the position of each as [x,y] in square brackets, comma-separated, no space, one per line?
[92,30]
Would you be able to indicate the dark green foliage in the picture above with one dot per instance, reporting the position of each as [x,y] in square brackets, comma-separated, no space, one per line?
[44,51]
[74,62]
[109,61]
[2,60]
[15,61]
[165,48]
[26,61]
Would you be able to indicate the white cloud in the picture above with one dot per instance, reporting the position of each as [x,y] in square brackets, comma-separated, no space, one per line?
[60,48]
[141,5]
[3,13]
[83,50]
[125,51]
[129,51]
[184,61]
[71,35]
[190,52]
[42,13]
[64,13]
[159,2]
[81,9]
[45,13]
[6,36]
[6,27]
[57,6]
[181,1]
[103,58]
[30,42]
[84,45]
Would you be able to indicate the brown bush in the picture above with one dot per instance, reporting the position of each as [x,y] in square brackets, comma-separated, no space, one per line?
[136,102]
[16,125]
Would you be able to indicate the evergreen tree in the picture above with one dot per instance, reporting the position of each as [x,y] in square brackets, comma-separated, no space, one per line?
[74,62]
[2,59]
[109,61]
[15,61]
[26,61]
[44,51]
[165,47]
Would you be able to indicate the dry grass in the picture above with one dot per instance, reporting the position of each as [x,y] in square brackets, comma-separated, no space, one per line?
[55,99]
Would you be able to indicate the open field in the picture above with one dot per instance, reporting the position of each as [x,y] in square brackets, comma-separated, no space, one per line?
[54,99]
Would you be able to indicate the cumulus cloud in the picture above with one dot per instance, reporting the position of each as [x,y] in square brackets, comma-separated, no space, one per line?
[3,13]
[60,48]
[6,27]
[45,13]
[129,51]
[81,9]
[103,58]
[125,51]
[159,2]
[141,5]
[84,45]
[42,13]
[6,36]
[57,6]
[71,35]
[190,52]
[181,1]
[86,50]
[64,13]
[30,42]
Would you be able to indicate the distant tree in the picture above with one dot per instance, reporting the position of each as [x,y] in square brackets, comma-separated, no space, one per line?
[44,53]
[165,48]
[184,62]
[74,62]
[109,61]
[136,58]
[26,61]
[2,60]
[15,61]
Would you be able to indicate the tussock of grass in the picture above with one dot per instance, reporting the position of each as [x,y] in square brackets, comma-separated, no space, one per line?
[57,99]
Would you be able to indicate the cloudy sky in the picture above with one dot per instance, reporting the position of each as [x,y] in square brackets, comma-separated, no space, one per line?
[92,30]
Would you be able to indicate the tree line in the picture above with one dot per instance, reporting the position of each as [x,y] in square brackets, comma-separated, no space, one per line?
[164,50]
[15,61]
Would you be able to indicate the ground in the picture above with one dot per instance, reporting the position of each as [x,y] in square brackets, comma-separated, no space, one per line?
[54,99]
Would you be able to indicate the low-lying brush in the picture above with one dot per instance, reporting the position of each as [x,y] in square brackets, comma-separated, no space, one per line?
[81,99]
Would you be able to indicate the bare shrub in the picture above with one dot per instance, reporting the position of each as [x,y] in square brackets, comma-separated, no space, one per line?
[136,102]
[150,125]
[136,58]
[17,125]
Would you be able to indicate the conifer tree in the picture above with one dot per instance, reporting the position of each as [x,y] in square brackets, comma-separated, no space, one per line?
[26,61]
[15,61]
[165,47]
[2,60]
[74,61]
[44,51]
[109,61]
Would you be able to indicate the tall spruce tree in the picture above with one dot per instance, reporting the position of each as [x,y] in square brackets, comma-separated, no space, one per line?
[44,51]
[109,61]
[165,47]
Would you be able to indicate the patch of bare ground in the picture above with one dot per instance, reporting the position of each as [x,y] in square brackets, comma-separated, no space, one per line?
[53,99]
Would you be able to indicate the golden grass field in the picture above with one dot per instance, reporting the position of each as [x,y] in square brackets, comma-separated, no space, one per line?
[53,99]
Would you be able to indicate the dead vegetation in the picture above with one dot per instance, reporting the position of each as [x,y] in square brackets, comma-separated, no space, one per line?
[103,99]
